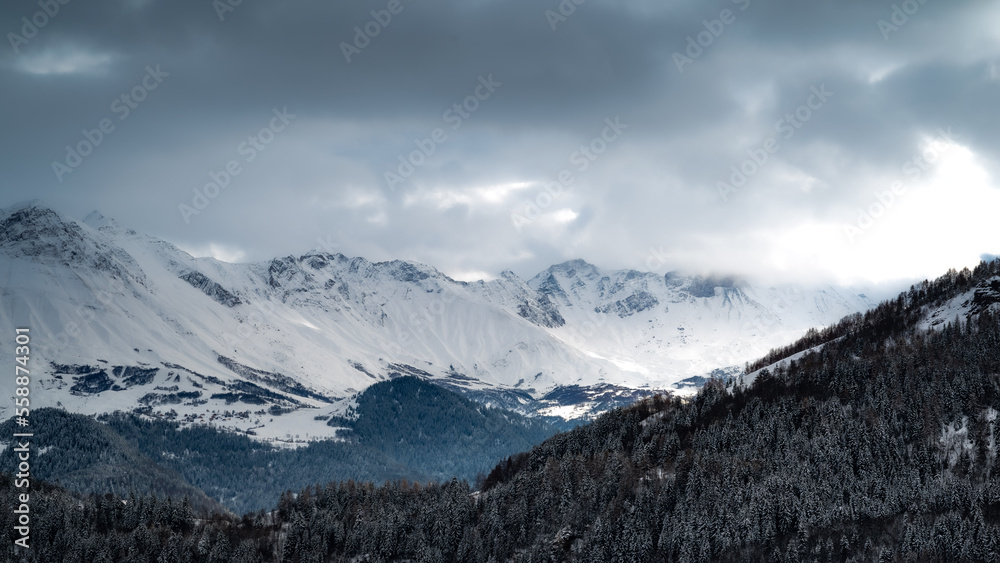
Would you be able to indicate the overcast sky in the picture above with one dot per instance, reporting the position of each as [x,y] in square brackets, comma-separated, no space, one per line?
[824,109]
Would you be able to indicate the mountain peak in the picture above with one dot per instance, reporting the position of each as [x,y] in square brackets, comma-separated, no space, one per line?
[576,267]
[510,275]
[702,285]
[408,270]
[574,263]
[32,210]
[25,204]
[95,220]
[33,223]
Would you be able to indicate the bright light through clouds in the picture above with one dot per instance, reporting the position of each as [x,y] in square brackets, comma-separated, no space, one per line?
[471,276]
[948,221]
[221,252]
[64,61]
[473,197]
[565,215]
[945,221]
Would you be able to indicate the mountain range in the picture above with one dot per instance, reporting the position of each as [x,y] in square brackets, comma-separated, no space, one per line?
[120,320]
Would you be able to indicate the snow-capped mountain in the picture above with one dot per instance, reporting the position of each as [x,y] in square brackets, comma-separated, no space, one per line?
[121,320]
[680,325]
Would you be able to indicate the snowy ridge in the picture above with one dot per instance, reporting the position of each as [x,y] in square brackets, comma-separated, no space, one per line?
[121,320]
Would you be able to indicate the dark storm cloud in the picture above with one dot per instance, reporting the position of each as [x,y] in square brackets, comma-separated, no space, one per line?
[323,177]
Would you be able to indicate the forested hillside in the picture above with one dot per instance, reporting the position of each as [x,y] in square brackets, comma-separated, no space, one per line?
[404,428]
[878,446]
[84,455]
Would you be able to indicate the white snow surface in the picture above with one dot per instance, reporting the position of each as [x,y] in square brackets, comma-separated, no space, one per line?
[321,327]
